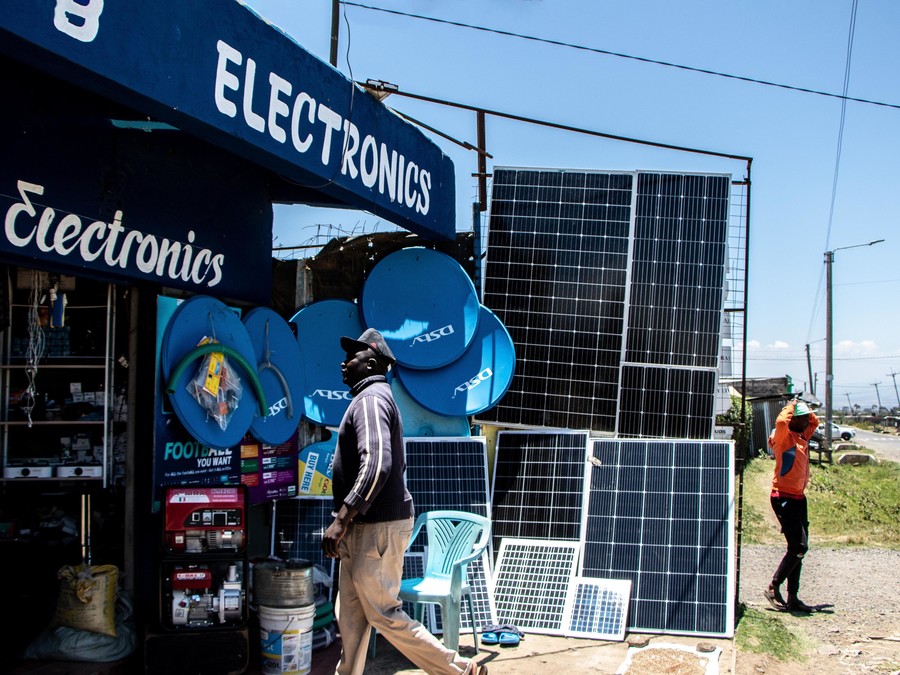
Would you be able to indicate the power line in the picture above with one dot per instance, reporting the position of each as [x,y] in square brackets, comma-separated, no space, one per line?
[840,139]
[606,52]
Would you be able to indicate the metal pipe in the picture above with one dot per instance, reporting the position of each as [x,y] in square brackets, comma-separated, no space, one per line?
[335,27]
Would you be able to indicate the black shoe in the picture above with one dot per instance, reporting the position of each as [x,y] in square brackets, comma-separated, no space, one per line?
[797,605]
[773,595]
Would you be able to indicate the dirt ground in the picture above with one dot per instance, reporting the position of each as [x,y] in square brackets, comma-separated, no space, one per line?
[858,633]
[539,654]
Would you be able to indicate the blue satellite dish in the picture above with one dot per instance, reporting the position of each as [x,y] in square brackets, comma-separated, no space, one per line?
[194,319]
[279,367]
[320,326]
[419,421]
[474,382]
[424,304]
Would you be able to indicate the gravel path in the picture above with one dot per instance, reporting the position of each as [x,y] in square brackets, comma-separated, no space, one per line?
[859,634]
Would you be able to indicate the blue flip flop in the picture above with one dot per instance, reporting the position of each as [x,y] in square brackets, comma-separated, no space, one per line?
[508,639]
[489,638]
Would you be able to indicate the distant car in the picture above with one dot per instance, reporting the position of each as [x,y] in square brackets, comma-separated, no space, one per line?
[844,433]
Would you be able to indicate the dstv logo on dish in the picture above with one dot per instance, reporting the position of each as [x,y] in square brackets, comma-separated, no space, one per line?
[433,335]
[332,394]
[277,407]
[483,376]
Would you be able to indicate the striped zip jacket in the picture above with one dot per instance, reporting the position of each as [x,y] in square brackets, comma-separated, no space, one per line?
[368,466]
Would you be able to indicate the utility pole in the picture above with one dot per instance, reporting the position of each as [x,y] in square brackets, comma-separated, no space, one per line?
[849,405]
[812,383]
[829,338]
[878,396]
[894,377]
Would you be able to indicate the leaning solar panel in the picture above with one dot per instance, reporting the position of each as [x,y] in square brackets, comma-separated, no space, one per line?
[556,276]
[532,583]
[661,513]
[538,485]
[677,281]
[445,473]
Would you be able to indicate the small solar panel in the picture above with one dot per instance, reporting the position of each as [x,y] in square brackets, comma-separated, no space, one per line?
[297,528]
[451,474]
[532,583]
[538,484]
[597,608]
[661,514]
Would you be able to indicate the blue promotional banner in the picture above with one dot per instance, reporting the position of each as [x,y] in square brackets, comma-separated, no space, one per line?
[179,458]
[215,69]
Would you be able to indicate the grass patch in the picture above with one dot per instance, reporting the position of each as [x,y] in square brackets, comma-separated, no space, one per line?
[848,505]
[764,633]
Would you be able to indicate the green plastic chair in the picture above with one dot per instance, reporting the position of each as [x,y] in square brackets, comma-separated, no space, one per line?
[455,538]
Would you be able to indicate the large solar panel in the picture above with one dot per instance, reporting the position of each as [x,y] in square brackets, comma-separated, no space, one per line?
[678,270]
[538,484]
[576,261]
[451,474]
[555,275]
[661,514]
[532,583]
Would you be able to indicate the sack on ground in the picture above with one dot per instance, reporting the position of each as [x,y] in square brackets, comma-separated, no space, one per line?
[60,643]
[87,598]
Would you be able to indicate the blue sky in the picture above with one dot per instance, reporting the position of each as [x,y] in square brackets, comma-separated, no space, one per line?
[793,137]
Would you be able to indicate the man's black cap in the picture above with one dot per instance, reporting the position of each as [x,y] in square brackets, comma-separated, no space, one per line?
[370,339]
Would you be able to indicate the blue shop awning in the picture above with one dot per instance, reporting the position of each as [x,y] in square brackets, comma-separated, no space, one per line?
[215,69]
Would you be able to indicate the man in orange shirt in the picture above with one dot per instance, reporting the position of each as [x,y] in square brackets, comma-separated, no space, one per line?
[795,425]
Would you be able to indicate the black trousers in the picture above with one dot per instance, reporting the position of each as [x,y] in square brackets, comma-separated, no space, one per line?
[792,515]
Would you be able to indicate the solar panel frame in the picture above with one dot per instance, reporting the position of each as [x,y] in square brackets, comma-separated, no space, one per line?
[661,513]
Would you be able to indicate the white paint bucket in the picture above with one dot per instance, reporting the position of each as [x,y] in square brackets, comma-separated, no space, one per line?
[286,639]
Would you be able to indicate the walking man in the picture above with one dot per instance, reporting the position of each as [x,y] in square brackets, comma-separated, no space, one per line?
[373,520]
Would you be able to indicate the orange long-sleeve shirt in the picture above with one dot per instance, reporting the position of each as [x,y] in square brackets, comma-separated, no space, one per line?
[791,451]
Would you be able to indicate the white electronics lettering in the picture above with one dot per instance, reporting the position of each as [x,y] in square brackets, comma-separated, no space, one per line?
[308,122]
[79,20]
[110,243]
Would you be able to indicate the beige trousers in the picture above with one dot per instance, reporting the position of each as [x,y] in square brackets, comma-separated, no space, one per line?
[371,568]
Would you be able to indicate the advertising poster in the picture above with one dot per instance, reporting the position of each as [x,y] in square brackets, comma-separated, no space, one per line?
[269,471]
